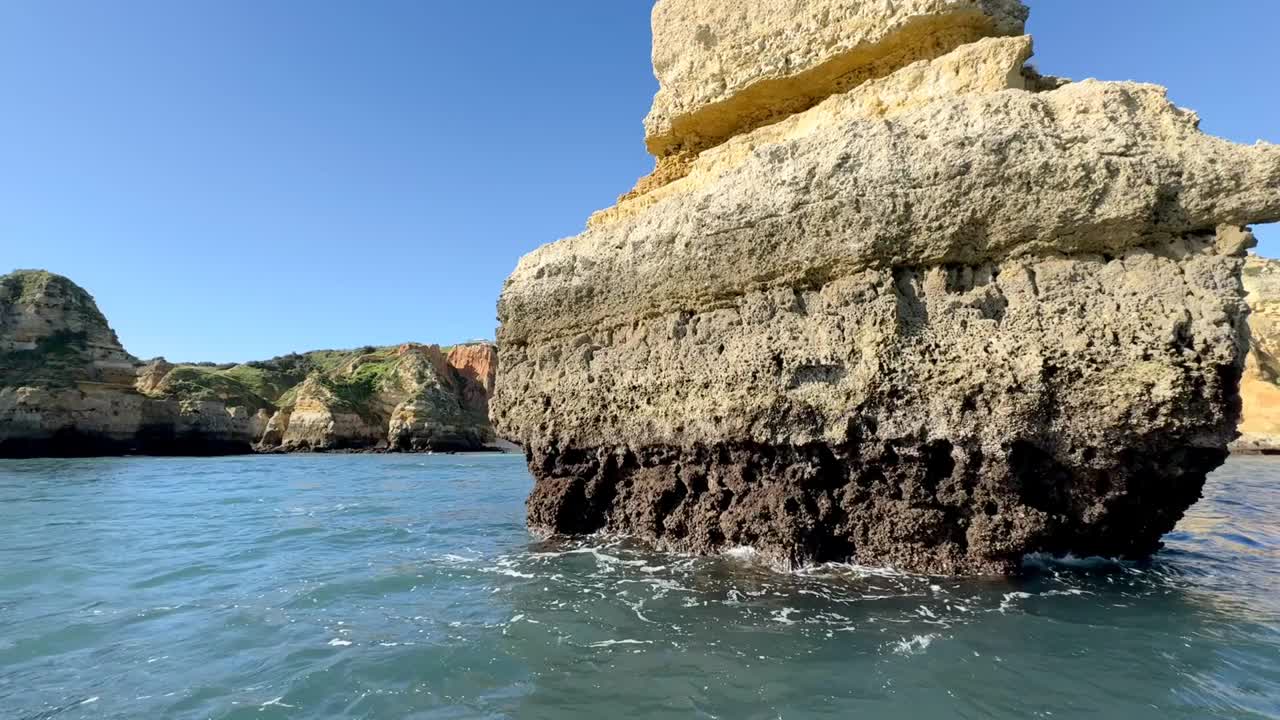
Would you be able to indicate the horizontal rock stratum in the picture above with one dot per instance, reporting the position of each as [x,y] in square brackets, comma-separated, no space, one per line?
[937,315]
[727,66]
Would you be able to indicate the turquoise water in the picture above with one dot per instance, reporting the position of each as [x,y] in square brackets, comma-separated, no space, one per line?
[406,587]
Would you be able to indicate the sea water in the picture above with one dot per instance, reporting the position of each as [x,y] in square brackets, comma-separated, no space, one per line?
[407,587]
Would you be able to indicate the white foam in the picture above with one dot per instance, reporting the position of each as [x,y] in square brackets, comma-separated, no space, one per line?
[91,700]
[592,551]
[1094,562]
[339,642]
[915,645]
[455,559]
[278,702]
[611,643]
[1007,603]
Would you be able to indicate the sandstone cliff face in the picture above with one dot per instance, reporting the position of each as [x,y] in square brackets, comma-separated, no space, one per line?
[1260,388]
[52,330]
[67,387]
[411,398]
[730,66]
[478,364]
[949,313]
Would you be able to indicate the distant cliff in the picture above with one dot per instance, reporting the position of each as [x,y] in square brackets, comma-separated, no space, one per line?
[1260,386]
[68,387]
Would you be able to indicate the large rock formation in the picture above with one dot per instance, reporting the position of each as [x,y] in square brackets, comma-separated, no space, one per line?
[51,330]
[411,398]
[890,296]
[1260,387]
[67,387]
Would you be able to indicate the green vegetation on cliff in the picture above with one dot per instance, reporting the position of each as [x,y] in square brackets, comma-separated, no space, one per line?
[197,383]
[354,377]
[357,387]
[56,361]
[27,286]
[52,333]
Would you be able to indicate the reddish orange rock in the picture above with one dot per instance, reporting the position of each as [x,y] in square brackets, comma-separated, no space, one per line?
[478,362]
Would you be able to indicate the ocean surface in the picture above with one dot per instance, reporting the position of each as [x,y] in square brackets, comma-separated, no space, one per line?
[407,587]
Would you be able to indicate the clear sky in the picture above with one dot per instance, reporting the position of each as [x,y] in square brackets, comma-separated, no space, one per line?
[237,179]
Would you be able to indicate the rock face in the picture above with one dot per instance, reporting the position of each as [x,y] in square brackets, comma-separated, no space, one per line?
[409,398]
[67,387]
[733,65]
[1260,388]
[478,363]
[946,314]
[52,330]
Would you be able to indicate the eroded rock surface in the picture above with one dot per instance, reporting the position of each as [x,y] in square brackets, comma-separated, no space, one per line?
[944,316]
[732,65]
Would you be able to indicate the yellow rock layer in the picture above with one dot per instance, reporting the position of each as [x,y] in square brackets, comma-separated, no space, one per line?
[985,66]
[728,66]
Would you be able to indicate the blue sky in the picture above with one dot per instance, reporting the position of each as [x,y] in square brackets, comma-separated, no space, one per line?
[236,179]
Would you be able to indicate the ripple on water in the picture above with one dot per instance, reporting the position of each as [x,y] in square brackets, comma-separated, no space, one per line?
[390,587]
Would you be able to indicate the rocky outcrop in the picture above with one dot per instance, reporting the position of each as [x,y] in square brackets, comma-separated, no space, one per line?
[67,387]
[98,419]
[478,363]
[152,376]
[51,331]
[319,419]
[937,313]
[1260,387]
[411,398]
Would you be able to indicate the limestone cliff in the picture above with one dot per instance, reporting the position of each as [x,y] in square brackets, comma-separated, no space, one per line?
[67,387]
[52,331]
[478,363]
[409,398]
[1260,388]
[890,296]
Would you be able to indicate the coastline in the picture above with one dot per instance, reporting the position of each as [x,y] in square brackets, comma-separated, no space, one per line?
[90,448]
